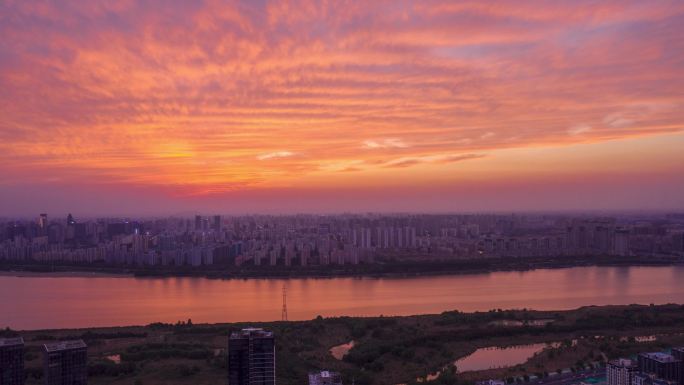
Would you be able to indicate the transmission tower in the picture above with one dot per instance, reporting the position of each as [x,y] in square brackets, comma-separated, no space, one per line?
[284,315]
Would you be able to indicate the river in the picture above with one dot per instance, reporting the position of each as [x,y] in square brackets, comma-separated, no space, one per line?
[37,302]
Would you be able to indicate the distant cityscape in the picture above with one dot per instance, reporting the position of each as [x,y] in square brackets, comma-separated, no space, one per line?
[315,240]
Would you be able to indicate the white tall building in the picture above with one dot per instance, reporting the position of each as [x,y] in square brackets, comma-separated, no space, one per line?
[620,372]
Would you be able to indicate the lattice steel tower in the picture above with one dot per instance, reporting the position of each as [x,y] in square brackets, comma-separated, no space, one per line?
[284,315]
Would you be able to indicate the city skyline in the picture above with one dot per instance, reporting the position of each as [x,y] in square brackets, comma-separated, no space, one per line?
[305,241]
[144,108]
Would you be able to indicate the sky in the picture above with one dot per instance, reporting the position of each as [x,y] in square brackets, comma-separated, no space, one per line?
[163,107]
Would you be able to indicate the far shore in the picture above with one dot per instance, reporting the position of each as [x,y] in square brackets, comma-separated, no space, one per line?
[402,269]
[70,274]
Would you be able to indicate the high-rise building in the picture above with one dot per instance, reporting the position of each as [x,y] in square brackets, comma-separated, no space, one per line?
[641,379]
[65,363]
[251,357]
[11,361]
[198,222]
[43,221]
[678,354]
[621,244]
[325,378]
[620,372]
[217,222]
[661,365]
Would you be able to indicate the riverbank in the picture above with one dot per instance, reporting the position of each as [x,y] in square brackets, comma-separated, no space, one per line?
[386,350]
[63,274]
[384,269]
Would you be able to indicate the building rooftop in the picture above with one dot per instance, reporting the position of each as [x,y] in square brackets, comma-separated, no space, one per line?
[253,332]
[622,362]
[64,345]
[14,341]
[324,377]
[491,382]
[660,357]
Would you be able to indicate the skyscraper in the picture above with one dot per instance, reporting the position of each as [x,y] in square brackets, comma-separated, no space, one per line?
[251,357]
[217,222]
[11,361]
[43,221]
[620,372]
[65,363]
[678,354]
[663,366]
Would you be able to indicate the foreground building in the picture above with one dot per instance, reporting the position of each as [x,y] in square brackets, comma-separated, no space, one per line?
[11,361]
[65,363]
[620,372]
[251,357]
[325,378]
[645,379]
[678,354]
[661,365]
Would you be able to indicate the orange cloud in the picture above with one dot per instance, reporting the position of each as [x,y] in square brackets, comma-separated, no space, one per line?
[208,97]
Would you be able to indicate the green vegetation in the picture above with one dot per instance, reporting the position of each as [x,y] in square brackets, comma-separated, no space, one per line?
[108,368]
[161,351]
[91,335]
[388,350]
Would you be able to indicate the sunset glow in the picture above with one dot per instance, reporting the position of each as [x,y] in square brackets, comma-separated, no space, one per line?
[314,106]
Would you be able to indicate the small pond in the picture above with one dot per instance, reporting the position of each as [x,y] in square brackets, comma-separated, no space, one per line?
[340,351]
[499,357]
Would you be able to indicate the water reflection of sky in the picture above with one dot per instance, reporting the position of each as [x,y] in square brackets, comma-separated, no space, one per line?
[49,302]
[495,357]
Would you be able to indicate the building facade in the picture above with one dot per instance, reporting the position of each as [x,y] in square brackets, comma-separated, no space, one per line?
[11,361]
[661,365]
[65,363]
[620,372]
[678,354]
[251,357]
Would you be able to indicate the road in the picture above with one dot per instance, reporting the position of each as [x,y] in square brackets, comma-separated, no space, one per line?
[570,378]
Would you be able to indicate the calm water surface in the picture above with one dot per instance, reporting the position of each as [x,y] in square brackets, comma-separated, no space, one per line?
[496,357]
[72,302]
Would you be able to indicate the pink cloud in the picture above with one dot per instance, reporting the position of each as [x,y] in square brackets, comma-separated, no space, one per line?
[198,93]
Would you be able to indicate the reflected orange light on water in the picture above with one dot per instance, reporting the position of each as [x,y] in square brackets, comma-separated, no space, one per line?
[42,302]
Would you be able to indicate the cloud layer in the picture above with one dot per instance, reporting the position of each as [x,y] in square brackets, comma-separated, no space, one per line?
[207,97]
